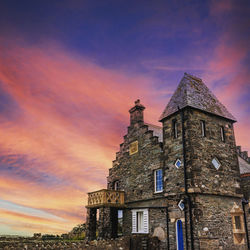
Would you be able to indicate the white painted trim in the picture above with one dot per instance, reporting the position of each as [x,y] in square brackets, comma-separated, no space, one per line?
[145,219]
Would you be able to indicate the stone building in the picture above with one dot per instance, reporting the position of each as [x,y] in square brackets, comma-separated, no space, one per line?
[185,182]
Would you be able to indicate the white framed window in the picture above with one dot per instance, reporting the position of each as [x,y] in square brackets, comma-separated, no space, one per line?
[158,180]
[140,221]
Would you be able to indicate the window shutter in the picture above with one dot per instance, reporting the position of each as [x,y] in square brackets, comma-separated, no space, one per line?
[133,221]
[145,221]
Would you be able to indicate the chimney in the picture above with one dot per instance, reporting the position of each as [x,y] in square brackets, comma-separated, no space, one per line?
[136,113]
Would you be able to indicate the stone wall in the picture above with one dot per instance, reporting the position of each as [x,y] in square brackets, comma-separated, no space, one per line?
[173,150]
[134,173]
[203,176]
[123,243]
[213,222]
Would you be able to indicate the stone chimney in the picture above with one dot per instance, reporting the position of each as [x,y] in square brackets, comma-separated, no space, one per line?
[136,114]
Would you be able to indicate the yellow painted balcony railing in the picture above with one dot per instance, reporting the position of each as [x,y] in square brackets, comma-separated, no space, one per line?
[105,197]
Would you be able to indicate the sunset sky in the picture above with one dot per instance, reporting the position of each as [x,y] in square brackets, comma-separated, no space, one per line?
[70,71]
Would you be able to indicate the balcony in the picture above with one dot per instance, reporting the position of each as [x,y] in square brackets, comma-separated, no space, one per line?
[105,198]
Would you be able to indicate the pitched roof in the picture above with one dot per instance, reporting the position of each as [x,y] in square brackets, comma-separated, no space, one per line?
[157,131]
[244,166]
[192,92]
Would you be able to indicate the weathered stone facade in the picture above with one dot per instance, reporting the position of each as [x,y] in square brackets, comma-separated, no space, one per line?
[194,157]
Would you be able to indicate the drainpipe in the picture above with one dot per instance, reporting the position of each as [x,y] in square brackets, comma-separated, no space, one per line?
[185,184]
[243,203]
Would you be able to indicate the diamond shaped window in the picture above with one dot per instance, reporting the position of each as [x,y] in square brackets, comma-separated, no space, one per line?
[181,205]
[178,163]
[216,163]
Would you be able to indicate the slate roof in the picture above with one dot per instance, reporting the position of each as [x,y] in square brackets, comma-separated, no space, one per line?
[244,166]
[157,131]
[192,92]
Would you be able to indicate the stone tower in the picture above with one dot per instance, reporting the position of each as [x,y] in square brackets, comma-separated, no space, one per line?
[201,166]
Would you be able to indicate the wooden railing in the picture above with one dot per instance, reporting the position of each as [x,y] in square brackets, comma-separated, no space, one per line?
[105,197]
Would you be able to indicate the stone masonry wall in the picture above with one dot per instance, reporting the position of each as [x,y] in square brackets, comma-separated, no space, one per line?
[245,185]
[135,172]
[203,176]
[174,178]
[123,243]
[213,222]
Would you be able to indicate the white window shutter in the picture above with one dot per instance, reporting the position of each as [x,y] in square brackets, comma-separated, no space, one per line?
[133,221]
[145,221]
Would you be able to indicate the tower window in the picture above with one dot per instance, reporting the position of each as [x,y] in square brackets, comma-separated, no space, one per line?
[222,133]
[203,129]
[158,180]
[175,129]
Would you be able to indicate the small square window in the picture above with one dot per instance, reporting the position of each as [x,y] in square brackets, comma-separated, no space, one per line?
[178,163]
[216,163]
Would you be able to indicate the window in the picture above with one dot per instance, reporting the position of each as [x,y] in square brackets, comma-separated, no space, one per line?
[175,128]
[140,221]
[133,148]
[158,180]
[116,185]
[178,163]
[216,163]
[237,222]
[120,223]
[203,129]
[222,134]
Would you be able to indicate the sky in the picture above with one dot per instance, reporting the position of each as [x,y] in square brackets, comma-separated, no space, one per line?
[71,69]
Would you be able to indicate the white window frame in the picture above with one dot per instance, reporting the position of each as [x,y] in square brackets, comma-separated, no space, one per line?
[145,226]
[155,183]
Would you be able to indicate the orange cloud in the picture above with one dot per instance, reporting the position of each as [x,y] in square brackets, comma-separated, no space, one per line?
[68,123]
